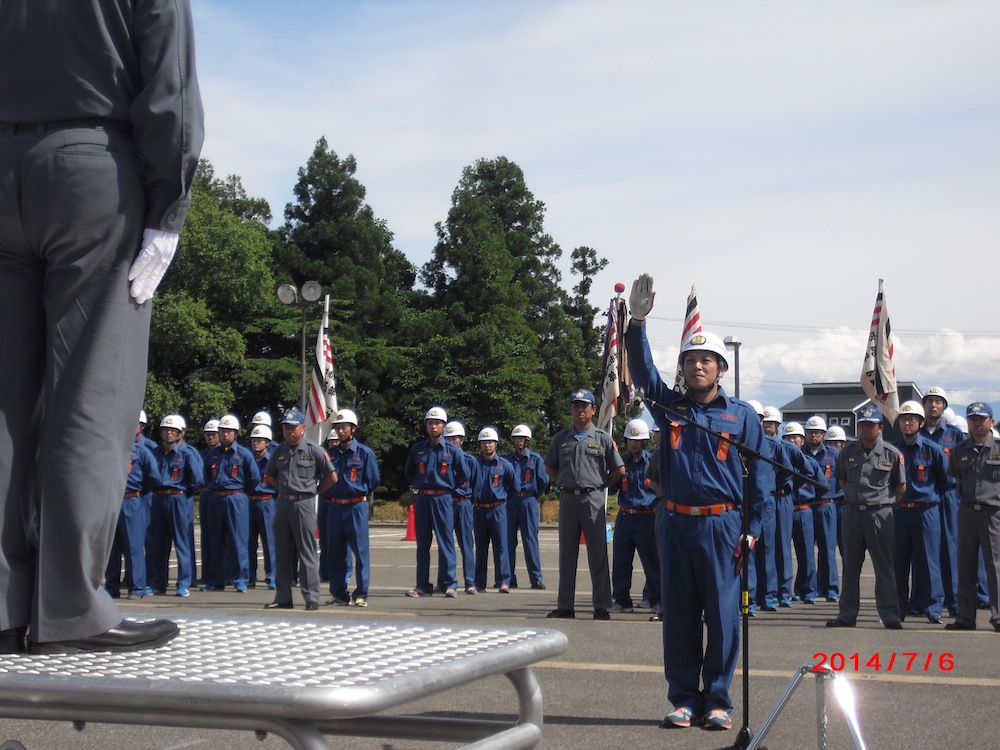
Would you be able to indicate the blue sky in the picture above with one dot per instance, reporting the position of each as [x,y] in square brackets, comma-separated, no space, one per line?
[783,156]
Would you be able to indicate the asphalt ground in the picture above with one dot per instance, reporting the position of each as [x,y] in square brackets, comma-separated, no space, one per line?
[608,691]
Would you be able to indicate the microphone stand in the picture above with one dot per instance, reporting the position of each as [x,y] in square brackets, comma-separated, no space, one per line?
[746,454]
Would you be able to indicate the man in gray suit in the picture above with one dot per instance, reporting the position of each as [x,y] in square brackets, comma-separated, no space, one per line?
[101,126]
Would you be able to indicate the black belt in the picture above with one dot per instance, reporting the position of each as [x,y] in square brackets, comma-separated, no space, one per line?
[979,506]
[297,496]
[40,128]
[869,506]
[580,490]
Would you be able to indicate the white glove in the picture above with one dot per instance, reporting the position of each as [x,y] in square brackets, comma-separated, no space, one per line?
[640,301]
[158,248]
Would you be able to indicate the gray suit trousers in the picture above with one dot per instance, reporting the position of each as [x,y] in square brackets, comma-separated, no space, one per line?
[583,513]
[295,535]
[75,346]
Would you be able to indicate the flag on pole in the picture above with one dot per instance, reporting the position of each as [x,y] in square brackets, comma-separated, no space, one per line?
[322,401]
[878,372]
[617,387]
[692,324]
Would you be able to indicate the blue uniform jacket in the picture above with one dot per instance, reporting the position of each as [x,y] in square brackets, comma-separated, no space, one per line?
[357,471]
[826,457]
[494,481]
[636,490]
[802,491]
[926,471]
[180,469]
[143,473]
[436,467]
[696,468]
[264,487]
[465,490]
[946,437]
[232,468]
[529,471]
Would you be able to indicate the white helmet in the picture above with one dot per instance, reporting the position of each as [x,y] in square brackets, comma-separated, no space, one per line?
[332,435]
[771,414]
[911,408]
[963,424]
[261,417]
[261,431]
[949,416]
[941,393]
[437,413]
[346,416]
[454,429]
[793,428]
[704,341]
[488,433]
[816,423]
[229,422]
[757,406]
[637,429]
[835,433]
[521,430]
[173,421]
[996,435]
[142,416]
[211,425]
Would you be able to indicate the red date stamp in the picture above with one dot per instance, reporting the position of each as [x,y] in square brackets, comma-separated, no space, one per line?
[893,661]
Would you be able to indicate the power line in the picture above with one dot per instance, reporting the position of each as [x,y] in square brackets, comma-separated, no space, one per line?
[786,328]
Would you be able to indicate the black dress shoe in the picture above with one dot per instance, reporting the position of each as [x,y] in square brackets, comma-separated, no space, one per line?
[959,625]
[839,624]
[538,586]
[893,625]
[561,614]
[278,605]
[601,614]
[312,606]
[13,641]
[128,635]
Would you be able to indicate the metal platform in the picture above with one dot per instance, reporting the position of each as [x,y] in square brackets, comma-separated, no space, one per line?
[297,678]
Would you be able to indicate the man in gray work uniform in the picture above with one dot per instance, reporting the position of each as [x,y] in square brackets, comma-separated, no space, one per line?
[101,126]
[975,464]
[583,460]
[300,471]
[871,473]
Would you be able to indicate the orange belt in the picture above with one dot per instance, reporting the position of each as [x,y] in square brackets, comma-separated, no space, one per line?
[434,492]
[700,510]
[226,493]
[132,494]
[169,491]
[262,497]
[635,511]
[822,502]
[802,506]
[908,506]
[344,500]
[487,506]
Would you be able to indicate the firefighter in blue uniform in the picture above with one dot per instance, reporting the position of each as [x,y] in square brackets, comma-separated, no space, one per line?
[173,513]
[435,469]
[262,508]
[763,576]
[210,437]
[701,531]
[523,508]
[803,494]
[946,437]
[454,433]
[836,438]
[823,509]
[133,522]
[231,476]
[347,515]
[635,528]
[918,520]
[322,511]
[494,483]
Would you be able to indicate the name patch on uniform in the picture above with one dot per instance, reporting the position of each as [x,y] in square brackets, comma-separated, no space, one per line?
[730,417]
[595,446]
[993,460]
[885,464]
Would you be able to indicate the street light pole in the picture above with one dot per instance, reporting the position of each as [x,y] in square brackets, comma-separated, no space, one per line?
[302,298]
[733,343]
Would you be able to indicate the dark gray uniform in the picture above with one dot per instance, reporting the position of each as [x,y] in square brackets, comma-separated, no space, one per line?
[100,132]
[870,492]
[297,472]
[581,467]
[976,469]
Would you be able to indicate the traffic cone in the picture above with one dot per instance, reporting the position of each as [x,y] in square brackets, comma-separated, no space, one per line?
[583,539]
[411,525]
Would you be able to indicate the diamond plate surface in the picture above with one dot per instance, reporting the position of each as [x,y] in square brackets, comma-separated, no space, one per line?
[289,654]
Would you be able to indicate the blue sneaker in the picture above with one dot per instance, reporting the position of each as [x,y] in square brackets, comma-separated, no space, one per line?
[833,596]
[149,591]
[183,591]
[241,589]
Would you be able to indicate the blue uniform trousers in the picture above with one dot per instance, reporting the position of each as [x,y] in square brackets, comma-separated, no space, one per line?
[490,527]
[701,591]
[206,516]
[347,535]
[130,542]
[840,527]
[634,533]
[825,532]
[172,518]
[261,528]
[948,554]
[918,550]
[435,514]
[462,512]
[805,555]
[763,574]
[229,525]
[783,547]
[324,548]
[150,499]
[522,515]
